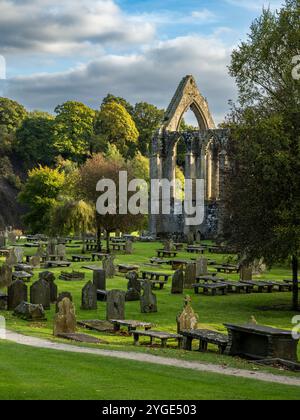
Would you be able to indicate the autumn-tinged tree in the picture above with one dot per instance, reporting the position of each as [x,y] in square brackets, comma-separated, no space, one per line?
[11,116]
[114,125]
[73,130]
[96,169]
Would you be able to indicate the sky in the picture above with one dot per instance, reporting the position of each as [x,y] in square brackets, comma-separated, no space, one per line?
[81,50]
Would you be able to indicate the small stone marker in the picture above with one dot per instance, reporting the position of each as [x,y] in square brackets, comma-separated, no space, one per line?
[89,297]
[190,238]
[177,282]
[108,266]
[128,247]
[65,319]
[148,299]
[17,293]
[35,261]
[30,312]
[61,296]
[169,245]
[99,279]
[133,287]
[19,255]
[50,278]
[61,251]
[52,247]
[246,273]
[201,267]
[40,293]
[190,275]
[5,276]
[187,320]
[115,305]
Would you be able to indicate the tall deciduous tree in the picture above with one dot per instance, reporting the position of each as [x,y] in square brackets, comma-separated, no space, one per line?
[263,197]
[114,125]
[73,130]
[11,116]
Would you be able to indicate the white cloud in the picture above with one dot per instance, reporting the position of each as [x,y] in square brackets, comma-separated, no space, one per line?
[149,76]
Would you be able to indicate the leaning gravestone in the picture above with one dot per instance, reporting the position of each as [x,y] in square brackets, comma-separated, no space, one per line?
[177,282]
[16,294]
[50,278]
[108,266]
[30,312]
[40,293]
[133,288]
[89,297]
[12,258]
[128,248]
[99,279]
[65,319]
[115,305]
[62,296]
[201,267]
[187,320]
[148,299]
[190,276]
[5,276]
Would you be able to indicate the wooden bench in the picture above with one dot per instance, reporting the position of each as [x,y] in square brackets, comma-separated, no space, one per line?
[212,288]
[80,258]
[130,325]
[205,337]
[162,336]
[161,253]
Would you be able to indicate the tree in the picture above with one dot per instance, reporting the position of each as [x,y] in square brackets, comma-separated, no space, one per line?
[95,169]
[121,101]
[34,139]
[11,116]
[263,195]
[148,119]
[73,130]
[114,125]
[40,195]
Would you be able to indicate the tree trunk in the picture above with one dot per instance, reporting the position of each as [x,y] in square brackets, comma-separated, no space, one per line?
[295,264]
[99,246]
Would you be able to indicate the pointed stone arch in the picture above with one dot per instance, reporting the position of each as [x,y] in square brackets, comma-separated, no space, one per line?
[188,96]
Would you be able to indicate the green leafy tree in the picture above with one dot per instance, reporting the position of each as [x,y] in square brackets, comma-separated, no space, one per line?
[11,116]
[34,139]
[114,125]
[40,195]
[119,100]
[263,195]
[73,130]
[148,119]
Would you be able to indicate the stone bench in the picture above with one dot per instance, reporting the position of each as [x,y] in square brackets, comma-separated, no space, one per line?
[155,276]
[261,286]
[195,250]
[55,264]
[130,325]
[238,287]
[22,275]
[118,247]
[205,337]
[91,247]
[212,288]
[226,269]
[100,256]
[166,254]
[123,268]
[159,335]
[80,258]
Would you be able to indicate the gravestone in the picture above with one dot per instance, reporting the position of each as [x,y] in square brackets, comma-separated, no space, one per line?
[128,247]
[169,245]
[3,240]
[19,255]
[65,319]
[201,267]
[62,296]
[115,305]
[16,294]
[35,261]
[5,276]
[148,299]
[40,293]
[11,259]
[190,275]
[133,287]
[30,312]
[52,247]
[61,251]
[198,237]
[187,320]
[12,237]
[246,273]
[177,282]
[190,238]
[50,278]
[108,266]
[99,279]
[40,251]
[89,297]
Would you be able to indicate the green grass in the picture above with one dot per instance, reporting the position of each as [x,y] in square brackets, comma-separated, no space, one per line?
[213,311]
[35,374]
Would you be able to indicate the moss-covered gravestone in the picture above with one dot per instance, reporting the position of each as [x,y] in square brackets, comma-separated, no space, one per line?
[188,319]
[190,276]
[89,297]
[177,282]
[50,278]
[40,293]
[148,299]
[17,293]
[115,305]
[65,319]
